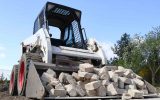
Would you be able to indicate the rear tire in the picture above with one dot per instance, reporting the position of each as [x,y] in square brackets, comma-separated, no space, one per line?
[13,81]
[23,70]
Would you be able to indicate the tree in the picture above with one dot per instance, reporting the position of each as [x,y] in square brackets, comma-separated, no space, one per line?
[123,49]
[150,50]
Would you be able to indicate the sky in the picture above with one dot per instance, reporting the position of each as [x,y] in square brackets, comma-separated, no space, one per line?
[104,20]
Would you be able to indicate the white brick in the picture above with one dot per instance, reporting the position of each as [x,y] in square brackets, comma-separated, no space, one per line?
[115,78]
[145,91]
[71,90]
[125,80]
[101,91]
[112,68]
[48,87]
[59,86]
[80,91]
[81,84]
[119,72]
[130,87]
[54,82]
[86,67]
[51,72]
[121,84]
[128,73]
[121,68]
[135,93]
[96,70]
[139,83]
[126,96]
[84,75]
[70,79]
[93,85]
[75,76]
[62,77]
[121,91]
[46,77]
[112,89]
[151,88]
[103,73]
[105,82]
[94,77]
[58,92]
[91,93]
[111,74]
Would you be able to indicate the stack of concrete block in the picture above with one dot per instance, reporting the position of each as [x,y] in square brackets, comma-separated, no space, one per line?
[91,81]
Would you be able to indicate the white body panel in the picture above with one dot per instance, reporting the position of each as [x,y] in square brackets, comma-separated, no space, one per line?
[42,39]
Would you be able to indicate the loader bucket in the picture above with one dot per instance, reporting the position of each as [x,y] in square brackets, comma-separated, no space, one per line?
[34,86]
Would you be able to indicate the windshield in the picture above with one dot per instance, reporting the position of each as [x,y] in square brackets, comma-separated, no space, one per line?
[73,36]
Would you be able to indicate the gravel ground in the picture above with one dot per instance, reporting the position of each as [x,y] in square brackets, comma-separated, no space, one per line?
[6,96]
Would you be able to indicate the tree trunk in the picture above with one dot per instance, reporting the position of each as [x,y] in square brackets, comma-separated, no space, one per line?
[153,78]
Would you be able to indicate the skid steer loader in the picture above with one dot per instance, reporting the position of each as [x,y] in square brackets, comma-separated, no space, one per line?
[45,49]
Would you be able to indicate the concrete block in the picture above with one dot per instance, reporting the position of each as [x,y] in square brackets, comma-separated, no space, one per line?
[119,72]
[121,84]
[51,72]
[91,93]
[48,87]
[80,91]
[93,85]
[54,82]
[126,96]
[135,93]
[115,78]
[96,70]
[133,86]
[71,90]
[125,80]
[151,88]
[111,89]
[139,83]
[70,79]
[84,75]
[59,86]
[138,77]
[145,91]
[105,82]
[103,73]
[101,91]
[94,77]
[46,77]
[81,84]
[121,68]
[121,91]
[75,76]
[128,73]
[112,68]
[86,67]
[62,77]
[111,73]
[57,92]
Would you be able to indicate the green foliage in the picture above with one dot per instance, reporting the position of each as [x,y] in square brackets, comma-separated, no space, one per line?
[139,53]
[123,50]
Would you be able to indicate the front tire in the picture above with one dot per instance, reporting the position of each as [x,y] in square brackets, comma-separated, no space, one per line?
[23,70]
[13,81]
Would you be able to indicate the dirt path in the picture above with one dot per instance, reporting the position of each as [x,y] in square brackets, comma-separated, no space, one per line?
[6,96]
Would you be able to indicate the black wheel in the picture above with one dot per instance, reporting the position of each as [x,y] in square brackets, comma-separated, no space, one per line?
[23,70]
[13,81]
[96,62]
